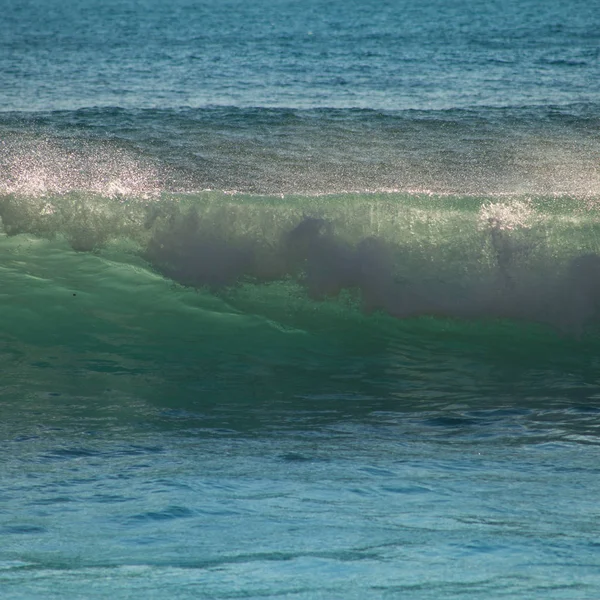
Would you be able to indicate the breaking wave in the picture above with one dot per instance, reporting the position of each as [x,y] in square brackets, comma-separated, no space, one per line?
[402,251]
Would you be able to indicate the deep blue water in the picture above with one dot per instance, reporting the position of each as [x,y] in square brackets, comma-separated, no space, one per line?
[299,300]
[374,55]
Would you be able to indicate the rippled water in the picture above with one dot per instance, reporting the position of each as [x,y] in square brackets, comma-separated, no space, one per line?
[453,502]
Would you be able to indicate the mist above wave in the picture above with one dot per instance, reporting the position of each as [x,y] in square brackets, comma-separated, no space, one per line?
[38,166]
[111,151]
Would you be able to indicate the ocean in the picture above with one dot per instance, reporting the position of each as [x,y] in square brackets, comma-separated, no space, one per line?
[299,299]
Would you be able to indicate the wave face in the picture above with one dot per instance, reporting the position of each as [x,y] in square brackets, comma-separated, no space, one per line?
[404,255]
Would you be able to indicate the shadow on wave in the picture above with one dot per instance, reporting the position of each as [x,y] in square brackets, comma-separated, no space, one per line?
[390,277]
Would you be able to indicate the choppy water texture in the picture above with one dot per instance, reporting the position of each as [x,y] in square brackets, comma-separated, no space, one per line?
[299,300]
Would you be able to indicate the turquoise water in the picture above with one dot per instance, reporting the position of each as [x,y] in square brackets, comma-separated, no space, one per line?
[299,300]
